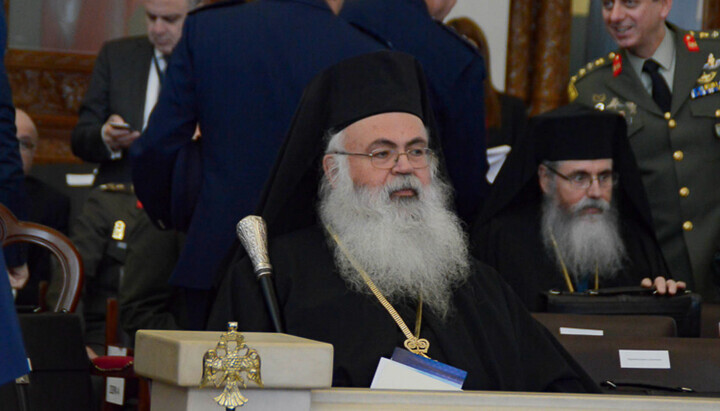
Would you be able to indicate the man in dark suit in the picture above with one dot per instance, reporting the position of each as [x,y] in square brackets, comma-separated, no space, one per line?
[124,88]
[663,80]
[46,206]
[455,71]
[239,72]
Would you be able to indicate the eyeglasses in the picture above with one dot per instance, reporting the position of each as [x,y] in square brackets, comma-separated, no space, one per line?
[385,159]
[582,180]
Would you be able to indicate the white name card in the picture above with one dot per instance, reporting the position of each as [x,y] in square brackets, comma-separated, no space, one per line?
[581,331]
[79,180]
[115,351]
[115,390]
[648,359]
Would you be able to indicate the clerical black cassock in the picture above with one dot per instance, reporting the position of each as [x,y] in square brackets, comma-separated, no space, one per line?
[508,234]
[488,332]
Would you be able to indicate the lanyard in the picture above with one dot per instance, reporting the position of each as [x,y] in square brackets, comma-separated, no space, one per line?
[413,343]
[568,282]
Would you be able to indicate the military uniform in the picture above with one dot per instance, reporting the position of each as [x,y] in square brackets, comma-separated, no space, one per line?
[100,235]
[146,299]
[678,152]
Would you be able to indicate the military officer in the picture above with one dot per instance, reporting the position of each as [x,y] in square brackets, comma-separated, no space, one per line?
[100,234]
[664,80]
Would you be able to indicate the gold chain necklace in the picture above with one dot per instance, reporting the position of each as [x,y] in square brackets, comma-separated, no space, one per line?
[568,282]
[413,343]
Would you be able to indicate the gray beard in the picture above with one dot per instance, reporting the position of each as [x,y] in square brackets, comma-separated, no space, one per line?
[585,242]
[408,246]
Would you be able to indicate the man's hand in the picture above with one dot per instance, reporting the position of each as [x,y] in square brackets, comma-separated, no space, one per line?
[18,276]
[663,286]
[116,136]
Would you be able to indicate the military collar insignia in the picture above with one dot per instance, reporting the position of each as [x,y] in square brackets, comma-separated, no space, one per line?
[617,65]
[691,43]
[711,63]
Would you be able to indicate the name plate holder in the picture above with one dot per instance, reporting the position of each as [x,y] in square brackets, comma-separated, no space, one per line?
[173,360]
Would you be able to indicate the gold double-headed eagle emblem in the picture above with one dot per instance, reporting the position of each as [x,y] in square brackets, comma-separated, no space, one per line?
[228,363]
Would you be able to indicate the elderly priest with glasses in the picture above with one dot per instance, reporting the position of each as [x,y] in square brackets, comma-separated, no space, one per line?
[569,212]
[367,254]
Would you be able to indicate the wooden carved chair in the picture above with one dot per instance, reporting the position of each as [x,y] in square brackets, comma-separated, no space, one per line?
[13,231]
[60,378]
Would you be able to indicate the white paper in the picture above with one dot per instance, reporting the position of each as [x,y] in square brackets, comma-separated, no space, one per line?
[496,158]
[115,390]
[114,351]
[392,375]
[79,180]
[581,331]
[648,359]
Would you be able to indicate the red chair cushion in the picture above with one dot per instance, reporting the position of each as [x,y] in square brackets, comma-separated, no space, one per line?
[112,362]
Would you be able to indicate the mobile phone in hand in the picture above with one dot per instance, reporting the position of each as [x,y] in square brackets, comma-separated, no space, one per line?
[124,126]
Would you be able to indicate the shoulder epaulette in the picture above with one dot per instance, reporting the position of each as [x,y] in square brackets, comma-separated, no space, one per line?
[117,188]
[587,69]
[216,5]
[706,35]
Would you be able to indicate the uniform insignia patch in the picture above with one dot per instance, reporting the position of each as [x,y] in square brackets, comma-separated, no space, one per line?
[690,43]
[711,63]
[118,230]
[627,109]
[704,90]
[706,77]
[599,100]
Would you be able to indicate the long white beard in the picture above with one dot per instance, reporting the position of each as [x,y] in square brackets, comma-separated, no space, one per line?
[586,242]
[408,246]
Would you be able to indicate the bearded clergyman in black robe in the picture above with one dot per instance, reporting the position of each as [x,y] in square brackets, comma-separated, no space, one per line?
[359,190]
[568,211]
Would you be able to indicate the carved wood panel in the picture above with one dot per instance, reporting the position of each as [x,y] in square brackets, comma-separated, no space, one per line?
[551,63]
[50,87]
[711,14]
[538,52]
[517,79]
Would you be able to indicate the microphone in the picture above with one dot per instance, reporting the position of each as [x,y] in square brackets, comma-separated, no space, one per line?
[252,233]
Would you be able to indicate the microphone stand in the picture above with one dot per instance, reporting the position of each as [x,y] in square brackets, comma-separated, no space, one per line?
[252,233]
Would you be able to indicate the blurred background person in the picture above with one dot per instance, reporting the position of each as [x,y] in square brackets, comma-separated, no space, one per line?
[505,115]
[46,206]
[239,71]
[123,90]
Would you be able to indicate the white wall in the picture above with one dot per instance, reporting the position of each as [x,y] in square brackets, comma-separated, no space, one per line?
[493,16]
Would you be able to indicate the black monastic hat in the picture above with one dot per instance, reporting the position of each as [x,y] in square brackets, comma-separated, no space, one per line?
[356,88]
